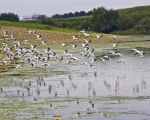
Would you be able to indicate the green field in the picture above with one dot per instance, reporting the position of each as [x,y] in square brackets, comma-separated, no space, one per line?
[136,11]
[73,23]
[33,26]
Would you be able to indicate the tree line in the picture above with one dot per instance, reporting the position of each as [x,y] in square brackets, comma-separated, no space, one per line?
[70,14]
[9,17]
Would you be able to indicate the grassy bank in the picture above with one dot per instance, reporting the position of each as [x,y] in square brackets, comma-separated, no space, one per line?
[34,26]
[132,32]
[135,11]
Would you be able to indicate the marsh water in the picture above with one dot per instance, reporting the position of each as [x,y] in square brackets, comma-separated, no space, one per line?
[108,90]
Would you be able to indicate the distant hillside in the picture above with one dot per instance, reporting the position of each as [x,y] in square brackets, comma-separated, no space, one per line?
[136,11]
[73,22]
[138,16]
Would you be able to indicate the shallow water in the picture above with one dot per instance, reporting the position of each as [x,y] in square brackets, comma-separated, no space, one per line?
[118,91]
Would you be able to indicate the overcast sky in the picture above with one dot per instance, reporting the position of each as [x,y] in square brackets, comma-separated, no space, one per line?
[50,7]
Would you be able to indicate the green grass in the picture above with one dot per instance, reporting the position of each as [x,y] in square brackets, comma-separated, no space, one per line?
[73,22]
[131,32]
[34,26]
[73,18]
[135,11]
[140,15]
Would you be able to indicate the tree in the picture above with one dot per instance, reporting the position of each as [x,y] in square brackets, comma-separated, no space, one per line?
[89,13]
[76,14]
[82,13]
[85,25]
[55,16]
[45,20]
[9,17]
[104,20]
[144,23]
[65,15]
[70,14]
[125,22]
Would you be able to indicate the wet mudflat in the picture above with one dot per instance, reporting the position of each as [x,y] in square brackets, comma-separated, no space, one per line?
[109,89]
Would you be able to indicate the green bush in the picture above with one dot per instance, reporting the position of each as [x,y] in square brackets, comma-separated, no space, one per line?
[9,17]
[104,20]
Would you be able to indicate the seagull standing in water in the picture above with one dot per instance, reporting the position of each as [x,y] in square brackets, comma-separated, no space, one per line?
[45,64]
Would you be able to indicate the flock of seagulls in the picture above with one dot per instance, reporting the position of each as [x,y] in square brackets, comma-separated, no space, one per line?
[31,55]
